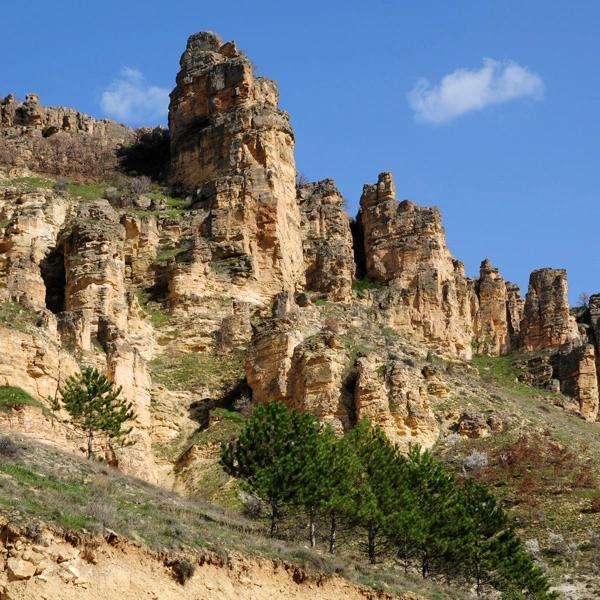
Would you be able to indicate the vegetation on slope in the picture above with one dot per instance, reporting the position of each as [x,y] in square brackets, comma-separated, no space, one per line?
[407,509]
[38,482]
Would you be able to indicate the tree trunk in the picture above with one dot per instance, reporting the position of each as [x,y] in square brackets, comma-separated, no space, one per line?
[90,444]
[332,534]
[311,528]
[425,567]
[274,519]
[371,544]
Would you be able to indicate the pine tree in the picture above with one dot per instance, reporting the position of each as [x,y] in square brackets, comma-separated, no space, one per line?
[374,490]
[270,454]
[329,473]
[437,525]
[485,522]
[95,407]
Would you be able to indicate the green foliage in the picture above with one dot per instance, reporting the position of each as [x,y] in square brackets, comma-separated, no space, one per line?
[95,406]
[185,371]
[362,285]
[503,371]
[409,504]
[14,397]
[17,316]
[87,191]
[270,455]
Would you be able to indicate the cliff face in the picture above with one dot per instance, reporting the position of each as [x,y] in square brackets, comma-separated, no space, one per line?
[405,247]
[58,140]
[253,288]
[547,321]
[233,149]
[327,240]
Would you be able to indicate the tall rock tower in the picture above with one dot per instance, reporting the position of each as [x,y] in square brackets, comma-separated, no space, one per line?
[232,149]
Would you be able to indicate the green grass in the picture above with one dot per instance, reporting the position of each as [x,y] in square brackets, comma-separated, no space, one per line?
[32,488]
[503,371]
[16,316]
[30,183]
[158,317]
[362,285]
[87,191]
[168,253]
[14,397]
[187,371]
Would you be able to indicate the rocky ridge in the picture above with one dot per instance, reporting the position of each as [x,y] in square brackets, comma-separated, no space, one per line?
[255,288]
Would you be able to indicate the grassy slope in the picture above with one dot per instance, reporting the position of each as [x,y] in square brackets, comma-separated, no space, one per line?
[41,482]
[547,483]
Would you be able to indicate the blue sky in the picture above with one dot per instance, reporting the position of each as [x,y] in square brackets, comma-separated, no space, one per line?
[516,175]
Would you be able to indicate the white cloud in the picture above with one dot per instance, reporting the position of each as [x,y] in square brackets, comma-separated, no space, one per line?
[129,98]
[466,90]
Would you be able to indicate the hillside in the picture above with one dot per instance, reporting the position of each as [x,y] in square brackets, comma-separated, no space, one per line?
[204,276]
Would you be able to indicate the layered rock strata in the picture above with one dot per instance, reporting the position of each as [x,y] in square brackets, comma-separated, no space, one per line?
[327,240]
[232,149]
[547,321]
[405,247]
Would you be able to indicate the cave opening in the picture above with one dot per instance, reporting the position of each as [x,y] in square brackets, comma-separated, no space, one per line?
[53,273]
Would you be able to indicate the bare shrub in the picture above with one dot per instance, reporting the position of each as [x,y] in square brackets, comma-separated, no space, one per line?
[595,504]
[61,187]
[35,532]
[8,447]
[475,461]
[134,185]
[183,569]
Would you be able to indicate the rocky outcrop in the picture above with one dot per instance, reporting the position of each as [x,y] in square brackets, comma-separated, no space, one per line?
[317,380]
[575,368]
[33,221]
[491,330]
[515,306]
[547,321]
[232,149]
[327,240]
[397,400]
[74,566]
[94,264]
[428,294]
[58,140]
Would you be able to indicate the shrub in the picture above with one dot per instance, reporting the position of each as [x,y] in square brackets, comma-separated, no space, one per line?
[183,570]
[61,187]
[148,155]
[475,461]
[595,504]
[49,130]
[8,448]
[135,185]
[35,532]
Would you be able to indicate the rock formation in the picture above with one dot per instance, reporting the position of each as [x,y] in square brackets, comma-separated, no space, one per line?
[327,240]
[575,368]
[161,292]
[405,247]
[491,320]
[58,140]
[547,322]
[232,149]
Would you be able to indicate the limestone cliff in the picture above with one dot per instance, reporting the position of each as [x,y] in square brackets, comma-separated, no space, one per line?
[233,150]
[58,140]
[251,287]
[405,247]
